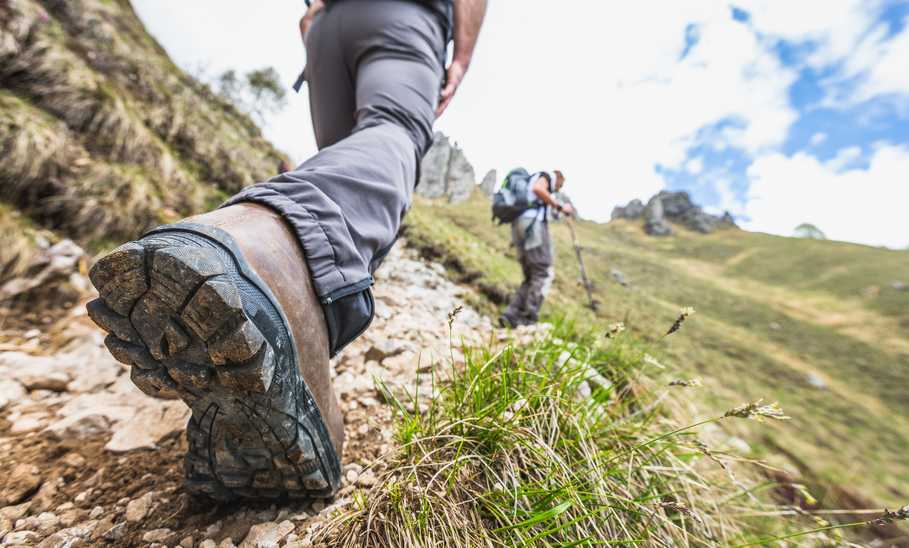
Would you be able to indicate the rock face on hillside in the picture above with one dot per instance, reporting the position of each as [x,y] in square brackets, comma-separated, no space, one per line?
[672,207]
[445,172]
[489,184]
[101,136]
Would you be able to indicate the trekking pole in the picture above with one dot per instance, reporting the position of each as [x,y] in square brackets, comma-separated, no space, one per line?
[592,303]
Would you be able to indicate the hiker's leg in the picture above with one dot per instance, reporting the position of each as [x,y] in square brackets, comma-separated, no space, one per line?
[516,311]
[347,202]
[539,260]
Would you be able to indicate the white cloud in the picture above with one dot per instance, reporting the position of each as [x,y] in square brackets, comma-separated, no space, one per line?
[856,205]
[695,165]
[846,33]
[604,94]
[818,138]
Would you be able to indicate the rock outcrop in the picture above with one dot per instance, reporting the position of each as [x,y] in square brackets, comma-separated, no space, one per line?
[489,185]
[445,172]
[672,207]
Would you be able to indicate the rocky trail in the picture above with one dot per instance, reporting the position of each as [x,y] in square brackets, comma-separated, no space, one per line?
[90,460]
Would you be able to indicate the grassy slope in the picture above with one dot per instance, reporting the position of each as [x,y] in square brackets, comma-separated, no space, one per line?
[101,135]
[772,313]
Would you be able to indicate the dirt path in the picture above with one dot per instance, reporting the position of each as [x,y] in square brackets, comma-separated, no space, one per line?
[90,460]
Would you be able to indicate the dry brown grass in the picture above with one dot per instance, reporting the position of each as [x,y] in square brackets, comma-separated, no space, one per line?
[18,243]
[101,135]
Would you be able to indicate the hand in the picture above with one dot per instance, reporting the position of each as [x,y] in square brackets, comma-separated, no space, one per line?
[453,79]
[310,16]
[567,210]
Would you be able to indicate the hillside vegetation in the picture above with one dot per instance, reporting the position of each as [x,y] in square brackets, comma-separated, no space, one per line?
[101,136]
[819,326]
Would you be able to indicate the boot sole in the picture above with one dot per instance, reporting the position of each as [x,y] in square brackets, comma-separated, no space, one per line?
[193,320]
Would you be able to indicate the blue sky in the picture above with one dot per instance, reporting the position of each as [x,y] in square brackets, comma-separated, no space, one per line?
[780,112]
[828,124]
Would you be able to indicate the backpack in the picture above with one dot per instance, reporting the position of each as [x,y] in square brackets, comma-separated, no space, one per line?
[511,199]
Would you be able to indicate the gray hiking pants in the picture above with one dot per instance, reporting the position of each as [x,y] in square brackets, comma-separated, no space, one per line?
[536,264]
[374,69]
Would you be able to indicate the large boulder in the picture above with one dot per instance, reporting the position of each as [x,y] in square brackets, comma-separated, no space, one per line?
[654,218]
[488,185]
[445,172]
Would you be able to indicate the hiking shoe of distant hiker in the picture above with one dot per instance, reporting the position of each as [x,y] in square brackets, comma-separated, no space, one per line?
[217,310]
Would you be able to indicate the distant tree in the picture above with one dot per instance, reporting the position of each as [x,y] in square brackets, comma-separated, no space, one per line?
[258,92]
[808,230]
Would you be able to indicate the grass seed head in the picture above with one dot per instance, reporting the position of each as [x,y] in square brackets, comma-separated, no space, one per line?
[615,329]
[691,383]
[454,314]
[757,411]
[889,517]
[683,315]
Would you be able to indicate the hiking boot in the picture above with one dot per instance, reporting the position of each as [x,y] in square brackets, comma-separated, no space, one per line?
[219,311]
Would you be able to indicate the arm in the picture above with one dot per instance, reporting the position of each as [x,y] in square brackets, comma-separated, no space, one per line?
[468,17]
[306,21]
[541,189]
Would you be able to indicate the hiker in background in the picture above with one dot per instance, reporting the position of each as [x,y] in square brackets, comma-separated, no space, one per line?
[530,236]
[237,311]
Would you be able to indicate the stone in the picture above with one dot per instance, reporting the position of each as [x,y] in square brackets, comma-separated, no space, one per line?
[227,543]
[148,426]
[21,538]
[318,506]
[208,543]
[351,476]
[96,512]
[15,512]
[30,422]
[619,277]
[367,479]
[10,391]
[71,537]
[52,274]
[817,381]
[267,535]
[44,523]
[116,532]
[158,535]
[78,427]
[22,482]
[138,508]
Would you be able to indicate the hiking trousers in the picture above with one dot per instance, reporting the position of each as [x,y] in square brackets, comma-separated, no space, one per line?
[374,70]
[536,265]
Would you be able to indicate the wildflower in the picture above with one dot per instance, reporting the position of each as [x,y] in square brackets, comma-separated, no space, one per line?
[890,517]
[757,411]
[683,315]
[615,329]
[689,383]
